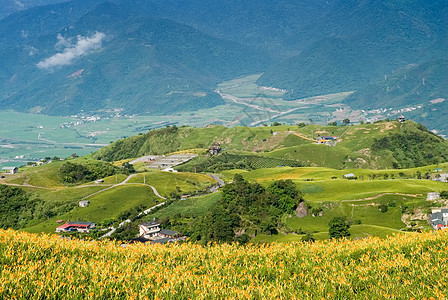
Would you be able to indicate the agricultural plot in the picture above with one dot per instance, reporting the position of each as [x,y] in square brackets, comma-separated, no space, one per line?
[29,137]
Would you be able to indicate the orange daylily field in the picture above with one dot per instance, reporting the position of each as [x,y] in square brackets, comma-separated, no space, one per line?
[48,267]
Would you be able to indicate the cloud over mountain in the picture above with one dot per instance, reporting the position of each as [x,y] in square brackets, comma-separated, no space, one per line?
[83,46]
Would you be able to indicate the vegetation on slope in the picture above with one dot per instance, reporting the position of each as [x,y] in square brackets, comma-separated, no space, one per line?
[144,64]
[229,161]
[77,173]
[45,266]
[19,207]
[412,148]
[242,210]
[279,142]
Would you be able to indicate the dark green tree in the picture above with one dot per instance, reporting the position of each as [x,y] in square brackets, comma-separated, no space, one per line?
[128,168]
[339,228]
[308,237]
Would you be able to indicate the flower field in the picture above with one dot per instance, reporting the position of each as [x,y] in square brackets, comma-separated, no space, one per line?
[48,267]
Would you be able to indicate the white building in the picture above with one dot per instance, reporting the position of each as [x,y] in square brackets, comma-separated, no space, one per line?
[149,229]
[84,203]
[11,170]
[433,196]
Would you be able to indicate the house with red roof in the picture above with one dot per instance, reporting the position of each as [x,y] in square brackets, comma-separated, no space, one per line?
[76,226]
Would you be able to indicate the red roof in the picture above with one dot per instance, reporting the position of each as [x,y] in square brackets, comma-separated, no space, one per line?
[67,225]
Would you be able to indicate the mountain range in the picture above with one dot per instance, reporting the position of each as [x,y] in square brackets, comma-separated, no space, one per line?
[159,57]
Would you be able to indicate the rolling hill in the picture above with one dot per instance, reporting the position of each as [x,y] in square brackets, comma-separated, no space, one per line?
[269,162]
[374,146]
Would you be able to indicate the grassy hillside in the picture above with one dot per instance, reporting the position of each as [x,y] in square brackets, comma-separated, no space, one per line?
[181,183]
[325,191]
[280,142]
[322,184]
[404,266]
[47,198]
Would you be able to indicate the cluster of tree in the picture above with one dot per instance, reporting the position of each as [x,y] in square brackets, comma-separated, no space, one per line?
[413,148]
[77,173]
[244,206]
[19,208]
[339,227]
[157,142]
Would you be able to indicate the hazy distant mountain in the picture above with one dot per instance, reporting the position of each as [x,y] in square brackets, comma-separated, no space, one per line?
[380,38]
[8,7]
[89,58]
[152,56]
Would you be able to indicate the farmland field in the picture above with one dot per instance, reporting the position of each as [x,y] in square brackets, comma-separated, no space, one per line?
[28,137]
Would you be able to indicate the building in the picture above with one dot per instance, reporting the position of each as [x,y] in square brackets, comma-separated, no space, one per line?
[439,218]
[149,230]
[433,196]
[350,176]
[76,226]
[401,119]
[152,232]
[84,203]
[10,170]
[214,149]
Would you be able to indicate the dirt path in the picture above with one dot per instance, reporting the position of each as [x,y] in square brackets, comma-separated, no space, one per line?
[382,194]
[27,185]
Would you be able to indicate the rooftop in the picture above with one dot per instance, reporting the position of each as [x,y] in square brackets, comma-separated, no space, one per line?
[162,241]
[9,168]
[150,224]
[168,232]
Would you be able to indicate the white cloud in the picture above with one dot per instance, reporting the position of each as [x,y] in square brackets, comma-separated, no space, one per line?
[63,43]
[83,46]
[19,4]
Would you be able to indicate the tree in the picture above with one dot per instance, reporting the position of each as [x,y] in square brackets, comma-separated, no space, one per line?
[346,121]
[128,168]
[339,228]
[308,237]
[333,123]
[383,208]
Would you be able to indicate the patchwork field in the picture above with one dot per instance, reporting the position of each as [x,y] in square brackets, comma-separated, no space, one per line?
[28,137]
